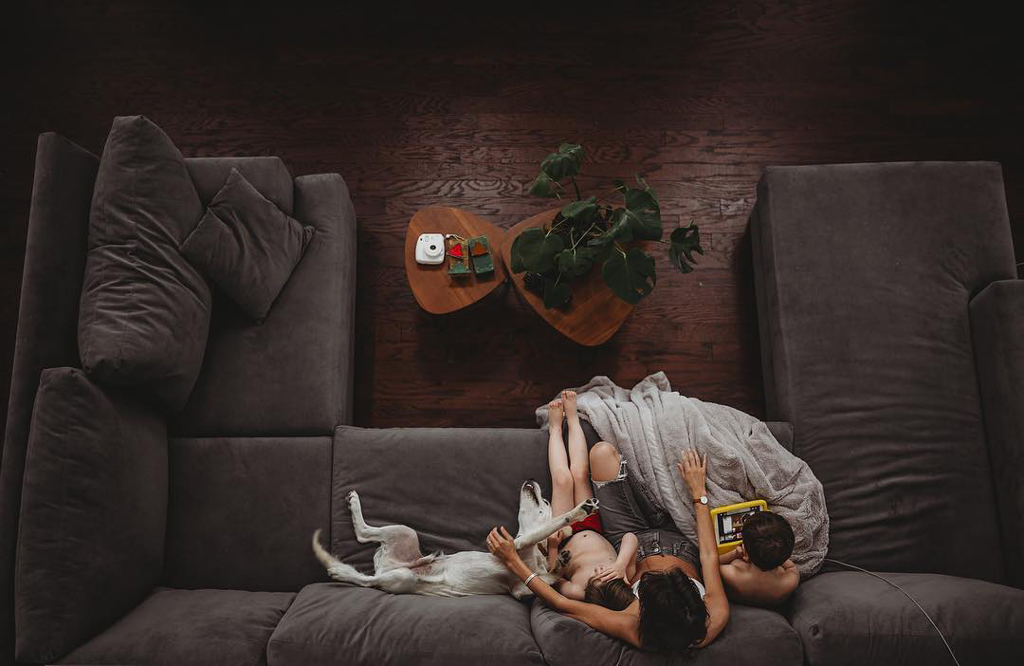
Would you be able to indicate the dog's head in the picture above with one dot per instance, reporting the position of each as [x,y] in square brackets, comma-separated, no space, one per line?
[534,510]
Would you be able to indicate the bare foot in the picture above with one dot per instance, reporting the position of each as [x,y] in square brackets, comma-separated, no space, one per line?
[569,400]
[555,415]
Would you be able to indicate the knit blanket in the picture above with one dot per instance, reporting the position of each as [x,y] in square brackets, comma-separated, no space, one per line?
[651,425]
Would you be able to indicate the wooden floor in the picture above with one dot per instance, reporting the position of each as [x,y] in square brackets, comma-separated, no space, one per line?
[456,108]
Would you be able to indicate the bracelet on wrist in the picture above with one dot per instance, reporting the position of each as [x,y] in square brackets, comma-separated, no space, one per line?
[528,579]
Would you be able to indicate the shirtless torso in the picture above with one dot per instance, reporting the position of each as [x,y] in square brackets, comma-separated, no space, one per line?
[582,557]
[746,583]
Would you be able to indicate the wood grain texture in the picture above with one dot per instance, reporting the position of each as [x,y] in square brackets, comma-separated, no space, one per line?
[435,290]
[593,315]
[419,106]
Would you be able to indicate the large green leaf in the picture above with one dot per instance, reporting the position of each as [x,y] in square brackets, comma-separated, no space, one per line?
[565,163]
[618,230]
[556,293]
[642,211]
[584,211]
[576,261]
[684,242]
[543,186]
[534,250]
[630,275]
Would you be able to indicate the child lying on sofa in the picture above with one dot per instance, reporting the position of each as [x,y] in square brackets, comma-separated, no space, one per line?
[591,570]
[759,571]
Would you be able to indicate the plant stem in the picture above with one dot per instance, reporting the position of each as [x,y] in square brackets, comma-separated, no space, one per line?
[619,248]
[577,188]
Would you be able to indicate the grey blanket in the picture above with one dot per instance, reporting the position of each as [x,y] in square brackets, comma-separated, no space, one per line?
[651,425]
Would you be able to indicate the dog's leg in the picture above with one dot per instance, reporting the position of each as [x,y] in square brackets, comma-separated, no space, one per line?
[397,581]
[542,532]
[399,544]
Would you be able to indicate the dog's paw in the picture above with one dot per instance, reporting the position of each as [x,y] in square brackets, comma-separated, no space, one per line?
[590,505]
[353,500]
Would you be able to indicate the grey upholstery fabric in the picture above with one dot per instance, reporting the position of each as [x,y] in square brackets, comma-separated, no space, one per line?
[331,623]
[852,618]
[93,511]
[278,378]
[268,175]
[246,246]
[145,310]
[241,512]
[864,320]
[451,485]
[753,635]
[194,627]
[997,326]
[47,324]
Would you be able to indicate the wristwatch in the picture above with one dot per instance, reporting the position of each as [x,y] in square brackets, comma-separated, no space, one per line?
[703,499]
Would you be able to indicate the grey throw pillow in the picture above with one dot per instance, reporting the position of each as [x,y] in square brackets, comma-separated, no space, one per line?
[144,314]
[247,246]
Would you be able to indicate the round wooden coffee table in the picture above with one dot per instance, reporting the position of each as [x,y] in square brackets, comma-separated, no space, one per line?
[593,315]
[435,290]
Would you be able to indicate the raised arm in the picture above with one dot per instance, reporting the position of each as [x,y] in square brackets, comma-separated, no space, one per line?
[694,471]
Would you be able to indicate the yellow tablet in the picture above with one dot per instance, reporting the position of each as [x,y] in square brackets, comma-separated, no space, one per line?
[728,521]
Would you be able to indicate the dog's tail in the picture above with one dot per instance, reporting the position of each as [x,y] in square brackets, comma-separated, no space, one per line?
[337,569]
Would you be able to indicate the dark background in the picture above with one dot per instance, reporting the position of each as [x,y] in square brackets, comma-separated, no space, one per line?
[457,106]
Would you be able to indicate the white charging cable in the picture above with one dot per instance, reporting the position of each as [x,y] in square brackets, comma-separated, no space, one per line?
[871,573]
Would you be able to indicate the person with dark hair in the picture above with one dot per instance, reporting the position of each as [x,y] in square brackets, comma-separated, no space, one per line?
[673,609]
[759,572]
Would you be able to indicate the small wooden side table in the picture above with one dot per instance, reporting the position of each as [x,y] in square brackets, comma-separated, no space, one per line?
[435,290]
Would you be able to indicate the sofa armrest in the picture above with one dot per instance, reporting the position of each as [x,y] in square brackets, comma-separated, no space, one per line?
[782,431]
[997,328]
[93,513]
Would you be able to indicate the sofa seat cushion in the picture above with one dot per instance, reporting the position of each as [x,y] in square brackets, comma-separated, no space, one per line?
[194,627]
[753,635]
[451,485]
[145,310]
[853,618]
[333,623]
[246,246]
[292,374]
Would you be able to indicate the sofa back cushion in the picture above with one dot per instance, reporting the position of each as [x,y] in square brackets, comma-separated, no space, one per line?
[267,174]
[242,511]
[93,511]
[864,274]
[145,310]
[451,485]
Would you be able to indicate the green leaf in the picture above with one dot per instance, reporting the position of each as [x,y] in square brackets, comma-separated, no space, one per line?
[534,250]
[565,163]
[619,229]
[574,262]
[584,211]
[556,293]
[543,186]
[642,210]
[630,275]
[684,242]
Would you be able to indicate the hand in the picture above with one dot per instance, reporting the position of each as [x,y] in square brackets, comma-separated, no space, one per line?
[502,545]
[611,572]
[693,470]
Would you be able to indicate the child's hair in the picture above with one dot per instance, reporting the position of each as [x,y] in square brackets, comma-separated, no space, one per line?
[614,594]
[768,539]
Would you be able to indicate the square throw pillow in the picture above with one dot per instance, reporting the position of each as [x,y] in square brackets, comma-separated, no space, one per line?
[144,314]
[247,246]
[93,513]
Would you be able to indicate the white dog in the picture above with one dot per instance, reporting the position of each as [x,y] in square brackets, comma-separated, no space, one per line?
[400,567]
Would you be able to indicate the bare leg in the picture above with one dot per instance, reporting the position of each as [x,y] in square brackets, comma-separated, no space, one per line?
[604,462]
[561,477]
[579,462]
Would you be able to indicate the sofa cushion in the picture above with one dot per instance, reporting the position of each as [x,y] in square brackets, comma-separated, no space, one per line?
[246,246]
[451,485]
[268,175]
[332,623]
[753,635]
[91,537]
[195,627]
[145,310]
[291,375]
[854,618]
[864,276]
[241,512]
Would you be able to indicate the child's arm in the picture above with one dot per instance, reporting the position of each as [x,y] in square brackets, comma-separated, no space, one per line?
[734,554]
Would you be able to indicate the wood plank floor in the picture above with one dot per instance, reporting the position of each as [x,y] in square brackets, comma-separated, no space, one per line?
[452,107]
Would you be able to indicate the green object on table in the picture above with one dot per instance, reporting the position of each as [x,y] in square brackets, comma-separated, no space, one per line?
[458,258]
[480,251]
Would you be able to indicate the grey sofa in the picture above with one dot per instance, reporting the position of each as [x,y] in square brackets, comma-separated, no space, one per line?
[262,455]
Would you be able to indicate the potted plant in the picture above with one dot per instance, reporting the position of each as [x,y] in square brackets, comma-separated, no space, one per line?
[587,233]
